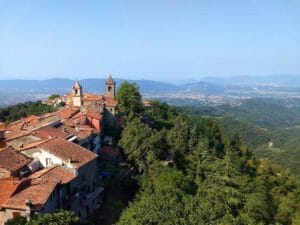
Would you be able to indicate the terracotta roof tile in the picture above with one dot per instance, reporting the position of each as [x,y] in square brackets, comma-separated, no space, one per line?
[12,160]
[67,113]
[67,150]
[10,135]
[30,118]
[83,134]
[37,188]
[94,115]
[55,173]
[67,128]
[92,97]
[33,144]
[69,123]
[48,131]
[7,187]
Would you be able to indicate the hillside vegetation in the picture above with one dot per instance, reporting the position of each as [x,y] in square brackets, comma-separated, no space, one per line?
[269,127]
[16,112]
[192,172]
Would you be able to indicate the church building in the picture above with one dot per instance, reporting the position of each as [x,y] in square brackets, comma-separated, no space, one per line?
[92,102]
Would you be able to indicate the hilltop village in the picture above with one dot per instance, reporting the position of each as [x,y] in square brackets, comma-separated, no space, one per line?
[51,161]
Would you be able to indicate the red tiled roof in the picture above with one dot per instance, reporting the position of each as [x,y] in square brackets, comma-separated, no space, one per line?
[83,134]
[30,118]
[15,126]
[108,101]
[12,160]
[94,115]
[79,118]
[67,150]
[110,151]
[7,187]
[55,173]
[37,188]
[67,128]
[32,144]
[92,97]
[67,113]
[48,131]
[10,135]
[69,123]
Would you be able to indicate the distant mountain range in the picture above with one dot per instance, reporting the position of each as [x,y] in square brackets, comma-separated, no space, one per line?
[209,90]
[206,84]
[97,85]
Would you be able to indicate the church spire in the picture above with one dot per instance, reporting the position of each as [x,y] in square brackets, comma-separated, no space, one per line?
[77,85]
[77,94]
[110,87]
[110,80]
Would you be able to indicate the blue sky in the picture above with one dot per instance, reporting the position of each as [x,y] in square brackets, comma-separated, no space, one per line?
[161,40]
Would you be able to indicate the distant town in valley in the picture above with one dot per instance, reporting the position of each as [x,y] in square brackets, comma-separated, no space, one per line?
[207,91]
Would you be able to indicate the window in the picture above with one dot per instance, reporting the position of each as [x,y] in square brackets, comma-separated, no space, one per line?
[16,215]
[109,88]
[49,162]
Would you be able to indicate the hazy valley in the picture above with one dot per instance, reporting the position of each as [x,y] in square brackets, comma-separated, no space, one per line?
[209,91]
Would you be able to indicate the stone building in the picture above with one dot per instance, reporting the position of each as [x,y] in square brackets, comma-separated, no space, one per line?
[99,103]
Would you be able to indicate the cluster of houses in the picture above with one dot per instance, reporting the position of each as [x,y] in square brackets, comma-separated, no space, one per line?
[51,161]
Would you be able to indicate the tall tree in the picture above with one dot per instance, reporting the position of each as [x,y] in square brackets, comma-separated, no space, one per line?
[129,98]
[143,145]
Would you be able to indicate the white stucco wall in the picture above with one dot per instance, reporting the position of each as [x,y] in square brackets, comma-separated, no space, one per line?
[44,155]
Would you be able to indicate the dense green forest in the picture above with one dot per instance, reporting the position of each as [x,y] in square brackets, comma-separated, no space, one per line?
[16,112]
[268,112]
[269,127]
[191,172]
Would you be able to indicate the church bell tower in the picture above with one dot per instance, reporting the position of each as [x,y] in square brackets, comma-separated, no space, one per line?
[110,87]
[77,94]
